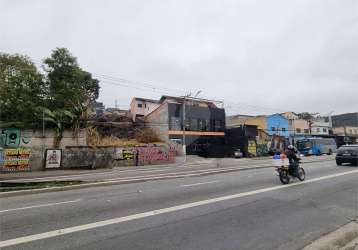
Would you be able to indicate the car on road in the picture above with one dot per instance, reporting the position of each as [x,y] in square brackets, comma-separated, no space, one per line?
[347,154]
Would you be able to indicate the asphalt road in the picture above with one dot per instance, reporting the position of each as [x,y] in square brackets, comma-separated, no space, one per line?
[237,210]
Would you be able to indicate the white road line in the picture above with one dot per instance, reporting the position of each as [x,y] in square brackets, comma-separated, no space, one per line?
[63,231]
[199,183]
[41,205]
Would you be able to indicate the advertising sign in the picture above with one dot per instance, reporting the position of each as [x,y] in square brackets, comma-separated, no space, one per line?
[53,158]
[15,159]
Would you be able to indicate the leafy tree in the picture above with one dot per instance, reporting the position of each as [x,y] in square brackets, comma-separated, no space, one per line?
[70,90]
[307,116]
[21,91]
[69,86]
[59,118]
[61,97]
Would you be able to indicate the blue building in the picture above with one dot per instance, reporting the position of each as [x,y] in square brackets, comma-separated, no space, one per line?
[277,124]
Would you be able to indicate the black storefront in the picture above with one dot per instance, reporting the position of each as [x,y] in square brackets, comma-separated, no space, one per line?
[204,128]
[238,138]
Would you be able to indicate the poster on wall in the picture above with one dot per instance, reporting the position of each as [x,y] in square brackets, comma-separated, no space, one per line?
[251,148]
[53,158]
[15,159]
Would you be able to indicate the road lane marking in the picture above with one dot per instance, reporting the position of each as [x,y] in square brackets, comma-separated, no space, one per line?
[199,183]
[41,205]
[74,229]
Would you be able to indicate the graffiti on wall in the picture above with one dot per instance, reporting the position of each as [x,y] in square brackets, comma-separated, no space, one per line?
[261,148]
[12,138]
[154,154]
[145,155]
[15,159]
[251,148]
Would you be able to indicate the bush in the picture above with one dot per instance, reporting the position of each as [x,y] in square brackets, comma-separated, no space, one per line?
[147,135]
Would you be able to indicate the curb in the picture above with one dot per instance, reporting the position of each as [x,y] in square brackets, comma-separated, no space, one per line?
[128,181]
[345,237]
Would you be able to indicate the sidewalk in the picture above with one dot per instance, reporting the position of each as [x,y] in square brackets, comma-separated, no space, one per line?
[345,238]
[193,162]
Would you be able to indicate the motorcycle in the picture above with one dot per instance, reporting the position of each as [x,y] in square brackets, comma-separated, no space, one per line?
[285,173]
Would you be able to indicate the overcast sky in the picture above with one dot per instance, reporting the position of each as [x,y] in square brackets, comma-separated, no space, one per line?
[259,56]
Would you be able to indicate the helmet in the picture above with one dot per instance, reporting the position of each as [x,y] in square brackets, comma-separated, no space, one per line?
[291,147]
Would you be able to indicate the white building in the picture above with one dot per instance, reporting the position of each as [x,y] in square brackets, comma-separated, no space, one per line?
[320,126]
[141,107]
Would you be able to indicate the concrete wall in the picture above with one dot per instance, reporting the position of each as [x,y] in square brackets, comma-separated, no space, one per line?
[158,120]
[36,143]
[87,157]
[105,157]
[36,140]
[147,155]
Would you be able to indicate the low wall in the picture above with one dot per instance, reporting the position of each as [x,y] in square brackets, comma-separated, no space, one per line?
[145,155]
[87,157]
[32,159]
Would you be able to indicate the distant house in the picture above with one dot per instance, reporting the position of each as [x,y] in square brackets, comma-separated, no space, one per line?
[277,124]
[320,126]
[235,121]
[140,107]
[345,124]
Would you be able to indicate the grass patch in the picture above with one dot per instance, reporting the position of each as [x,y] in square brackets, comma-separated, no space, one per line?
[16,186]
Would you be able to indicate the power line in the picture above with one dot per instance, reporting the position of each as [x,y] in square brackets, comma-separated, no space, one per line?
[150,87]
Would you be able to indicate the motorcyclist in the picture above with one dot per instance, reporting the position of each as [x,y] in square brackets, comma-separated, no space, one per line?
[293,159]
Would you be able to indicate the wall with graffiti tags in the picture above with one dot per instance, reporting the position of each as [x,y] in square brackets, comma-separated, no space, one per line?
[14,159]
[145,155]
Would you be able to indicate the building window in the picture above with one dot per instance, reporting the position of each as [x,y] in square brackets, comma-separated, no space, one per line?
[351,131]
[298,130]
[283,129]
[139,105]
[203,125]
[207,125]
[324,130]
[175,123]
[318,130]
[145,105]
[306,131]
[273,129]
[193,124]
[217,125]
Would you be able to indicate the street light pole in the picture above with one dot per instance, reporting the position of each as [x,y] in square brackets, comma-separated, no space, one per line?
[184,139]
[184,121]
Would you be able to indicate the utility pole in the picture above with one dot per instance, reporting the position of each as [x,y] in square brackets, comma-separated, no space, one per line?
[184,139]
[184,121]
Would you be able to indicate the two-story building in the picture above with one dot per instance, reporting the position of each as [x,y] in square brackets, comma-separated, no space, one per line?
[141,107]
[345,124]
[277,124]
[297,127]
[203,123]
[320,126]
